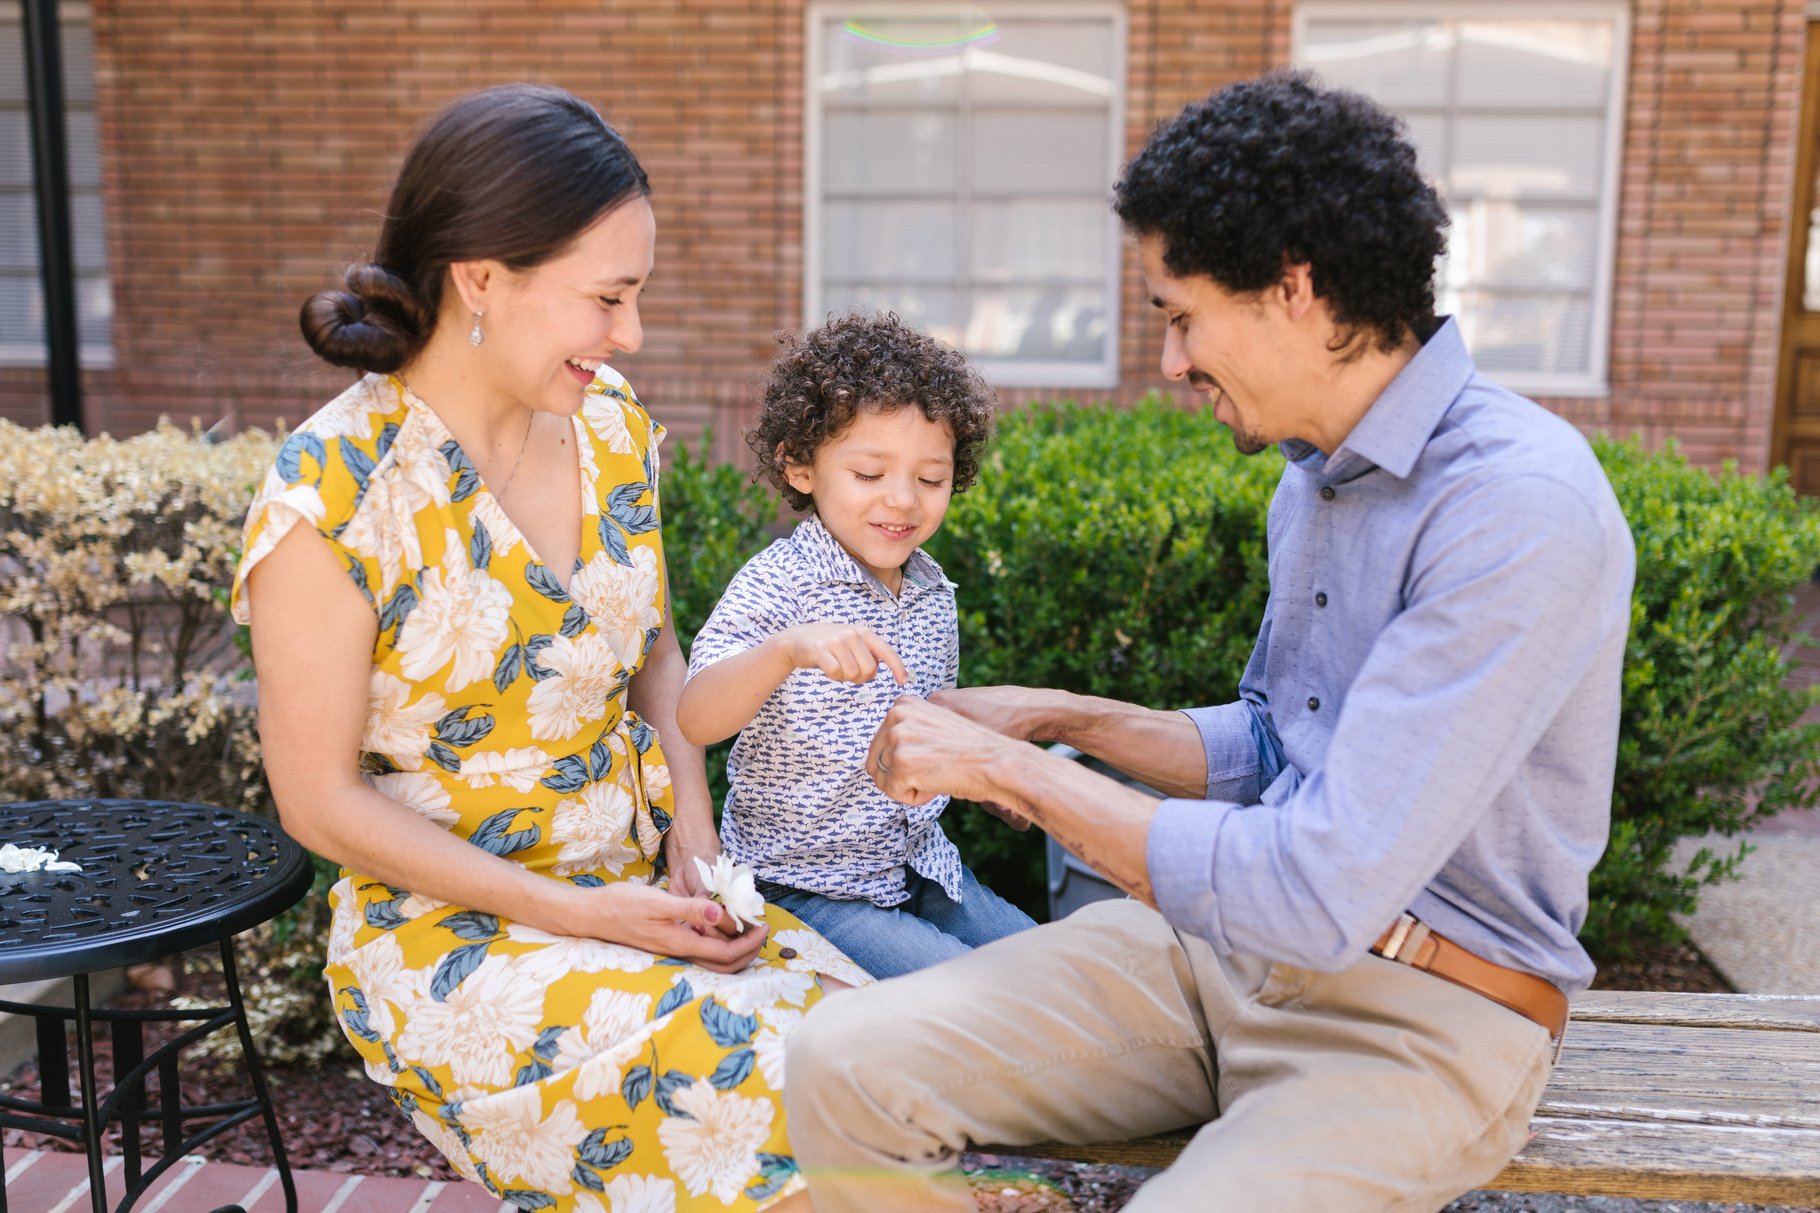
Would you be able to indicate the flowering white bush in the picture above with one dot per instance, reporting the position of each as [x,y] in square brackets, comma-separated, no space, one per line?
[121,673]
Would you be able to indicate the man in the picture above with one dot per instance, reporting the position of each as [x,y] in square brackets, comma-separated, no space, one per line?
[1354,921]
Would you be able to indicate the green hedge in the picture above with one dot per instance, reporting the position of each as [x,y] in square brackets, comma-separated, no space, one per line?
[1111,552]
[1710,738]
[714,520]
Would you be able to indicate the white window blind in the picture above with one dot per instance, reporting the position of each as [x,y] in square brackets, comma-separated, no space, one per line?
[959,171]
[1516,112]
[21,292]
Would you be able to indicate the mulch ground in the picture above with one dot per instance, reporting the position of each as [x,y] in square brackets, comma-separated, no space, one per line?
[334,1119]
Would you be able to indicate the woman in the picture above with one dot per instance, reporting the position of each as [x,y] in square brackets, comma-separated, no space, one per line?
[463,682]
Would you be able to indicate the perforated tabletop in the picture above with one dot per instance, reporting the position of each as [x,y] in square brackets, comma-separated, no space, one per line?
[157,877]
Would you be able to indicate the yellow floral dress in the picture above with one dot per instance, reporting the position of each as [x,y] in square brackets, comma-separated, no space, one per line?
[561,1073]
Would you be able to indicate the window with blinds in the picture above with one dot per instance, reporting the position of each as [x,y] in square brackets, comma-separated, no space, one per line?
[21,292]
[959,169]
[1516,112]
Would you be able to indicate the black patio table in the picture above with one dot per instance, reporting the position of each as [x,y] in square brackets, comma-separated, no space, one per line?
[158,877]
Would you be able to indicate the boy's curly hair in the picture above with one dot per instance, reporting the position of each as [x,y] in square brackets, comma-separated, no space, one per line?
[1281,167]
[824,377]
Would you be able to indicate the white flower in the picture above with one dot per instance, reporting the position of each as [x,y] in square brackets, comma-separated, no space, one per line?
[717,1150]
[421,467]
[769,1043]
[559,954]
[349,415]
[641,1194]
[382,976]
[500,528]
[615,1026]
[518,769]
[417,905]
[396,727]
[443,1138]
[590,474]
[747,992]
[606,416]
[460,621]
[583,670]
[593,829]
[420,791]
[414,477]
[613,1015]
[345,919]
[815,954]
[33,859]
[621,599]
[520,1146]
[481,1027]
[656,777]
[732,884]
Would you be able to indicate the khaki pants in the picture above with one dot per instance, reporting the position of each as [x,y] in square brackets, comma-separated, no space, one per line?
[1376,1088]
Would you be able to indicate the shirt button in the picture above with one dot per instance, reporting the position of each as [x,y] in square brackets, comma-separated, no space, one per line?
[1314,705]
[1327,492]
[786,953]
[1320,599]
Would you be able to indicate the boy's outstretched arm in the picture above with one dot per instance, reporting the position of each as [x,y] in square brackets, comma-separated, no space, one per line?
[721,699]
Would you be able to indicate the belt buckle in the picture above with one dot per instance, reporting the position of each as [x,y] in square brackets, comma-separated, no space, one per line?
[1407,935]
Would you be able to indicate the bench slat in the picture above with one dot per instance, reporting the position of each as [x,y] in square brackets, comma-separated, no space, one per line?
[1667,1161]
[1641,1072]
[1787,1012]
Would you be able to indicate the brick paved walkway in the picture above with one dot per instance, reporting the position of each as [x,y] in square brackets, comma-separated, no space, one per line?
[43,1181]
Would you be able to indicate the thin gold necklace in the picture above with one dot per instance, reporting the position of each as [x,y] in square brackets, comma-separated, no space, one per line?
[524,443]
[523,446]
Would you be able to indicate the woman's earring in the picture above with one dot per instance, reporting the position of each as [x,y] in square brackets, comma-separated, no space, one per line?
[475,337]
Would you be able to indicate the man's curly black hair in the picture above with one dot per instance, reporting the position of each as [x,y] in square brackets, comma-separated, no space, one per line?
[1281,167]
[823,378]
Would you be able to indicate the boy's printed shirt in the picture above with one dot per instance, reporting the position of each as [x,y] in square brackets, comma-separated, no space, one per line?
[801,809]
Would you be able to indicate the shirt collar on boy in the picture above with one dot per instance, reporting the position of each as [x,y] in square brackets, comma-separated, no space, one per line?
[824,558]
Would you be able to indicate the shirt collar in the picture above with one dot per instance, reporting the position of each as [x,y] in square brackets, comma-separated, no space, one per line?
[830,563]
[1401,420]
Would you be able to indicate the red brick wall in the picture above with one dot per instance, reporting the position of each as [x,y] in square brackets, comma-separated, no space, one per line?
[249,148]
[1708,174]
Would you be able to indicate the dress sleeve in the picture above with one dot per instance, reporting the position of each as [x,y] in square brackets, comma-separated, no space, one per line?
[315,481]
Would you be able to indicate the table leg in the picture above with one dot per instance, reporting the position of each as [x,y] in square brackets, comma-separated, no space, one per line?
[260,1090]
[91,1096]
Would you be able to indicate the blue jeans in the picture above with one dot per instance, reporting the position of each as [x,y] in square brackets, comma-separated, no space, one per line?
[914,934]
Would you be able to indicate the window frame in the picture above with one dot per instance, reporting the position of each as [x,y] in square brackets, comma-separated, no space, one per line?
[1595,381]
[1000,372]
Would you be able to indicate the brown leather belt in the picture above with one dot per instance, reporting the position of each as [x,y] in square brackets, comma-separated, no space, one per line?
[1409,941]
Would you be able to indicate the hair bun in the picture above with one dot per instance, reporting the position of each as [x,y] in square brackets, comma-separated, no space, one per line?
[376,324]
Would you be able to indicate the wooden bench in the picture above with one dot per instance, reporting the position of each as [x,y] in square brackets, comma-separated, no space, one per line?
[1666,1096]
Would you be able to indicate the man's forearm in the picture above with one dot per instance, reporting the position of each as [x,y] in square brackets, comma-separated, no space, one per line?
[1101,820]
[1161,749]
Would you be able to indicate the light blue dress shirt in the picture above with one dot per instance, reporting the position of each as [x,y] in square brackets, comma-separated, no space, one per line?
[1429,721]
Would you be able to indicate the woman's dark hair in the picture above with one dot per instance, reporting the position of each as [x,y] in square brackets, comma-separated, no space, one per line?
[1280,167]
[511,174]
[826,376]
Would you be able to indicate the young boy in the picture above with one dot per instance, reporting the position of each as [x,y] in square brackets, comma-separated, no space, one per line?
[872,427]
